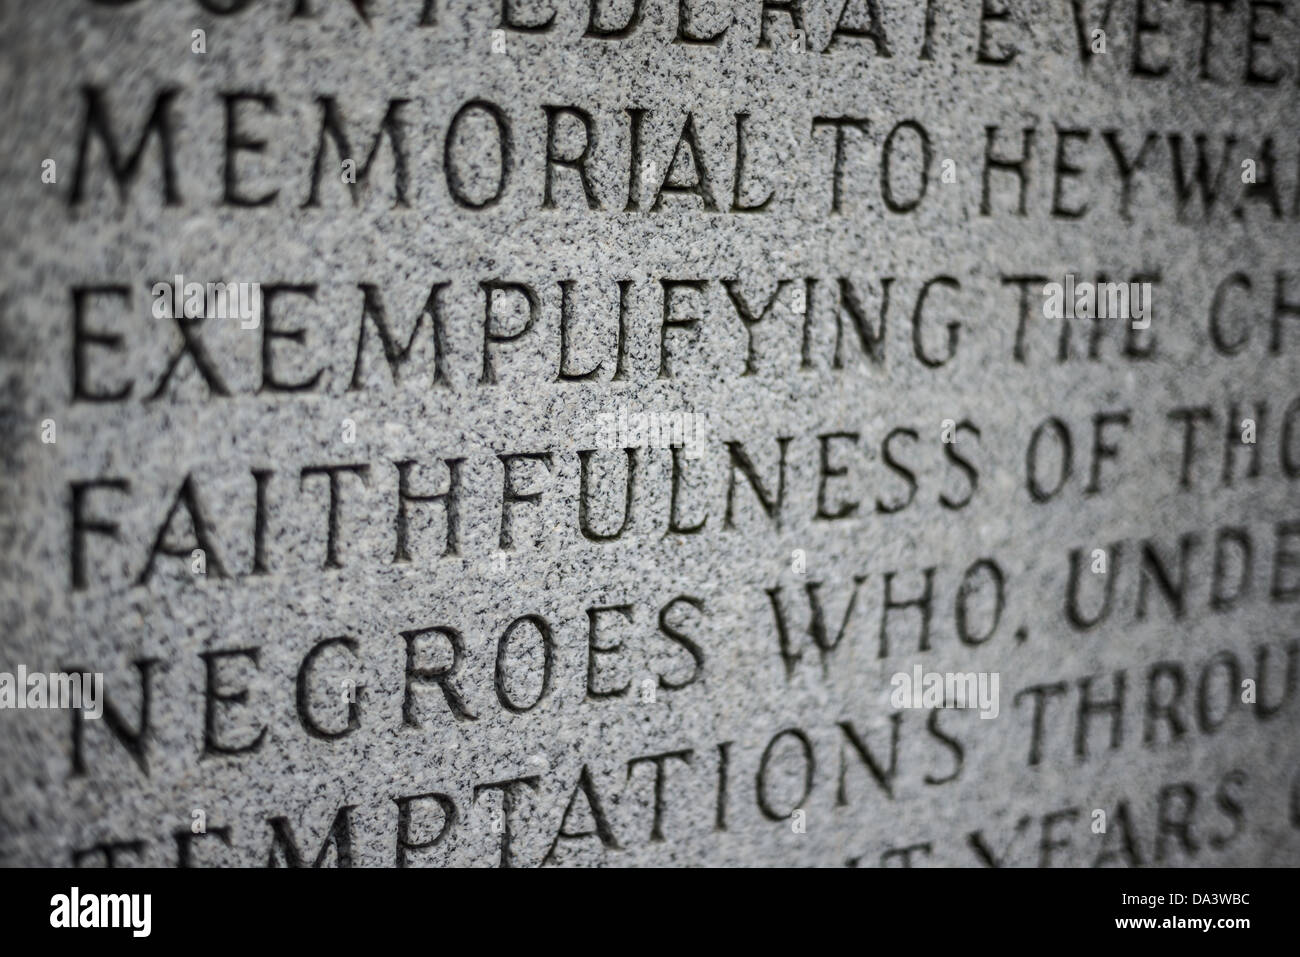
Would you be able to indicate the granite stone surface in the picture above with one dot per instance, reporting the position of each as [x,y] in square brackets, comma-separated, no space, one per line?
[622,426]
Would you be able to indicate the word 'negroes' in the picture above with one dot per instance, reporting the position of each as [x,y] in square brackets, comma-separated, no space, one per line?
[627,655]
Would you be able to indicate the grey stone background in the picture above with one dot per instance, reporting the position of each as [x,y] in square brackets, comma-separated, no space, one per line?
[49,51]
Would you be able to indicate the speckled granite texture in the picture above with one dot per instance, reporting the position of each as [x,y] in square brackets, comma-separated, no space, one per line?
[693,666]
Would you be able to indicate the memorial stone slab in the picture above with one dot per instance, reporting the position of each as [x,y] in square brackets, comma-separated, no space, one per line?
[650,433]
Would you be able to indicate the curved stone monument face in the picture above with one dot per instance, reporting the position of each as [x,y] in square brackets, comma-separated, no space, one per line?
[642,432]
